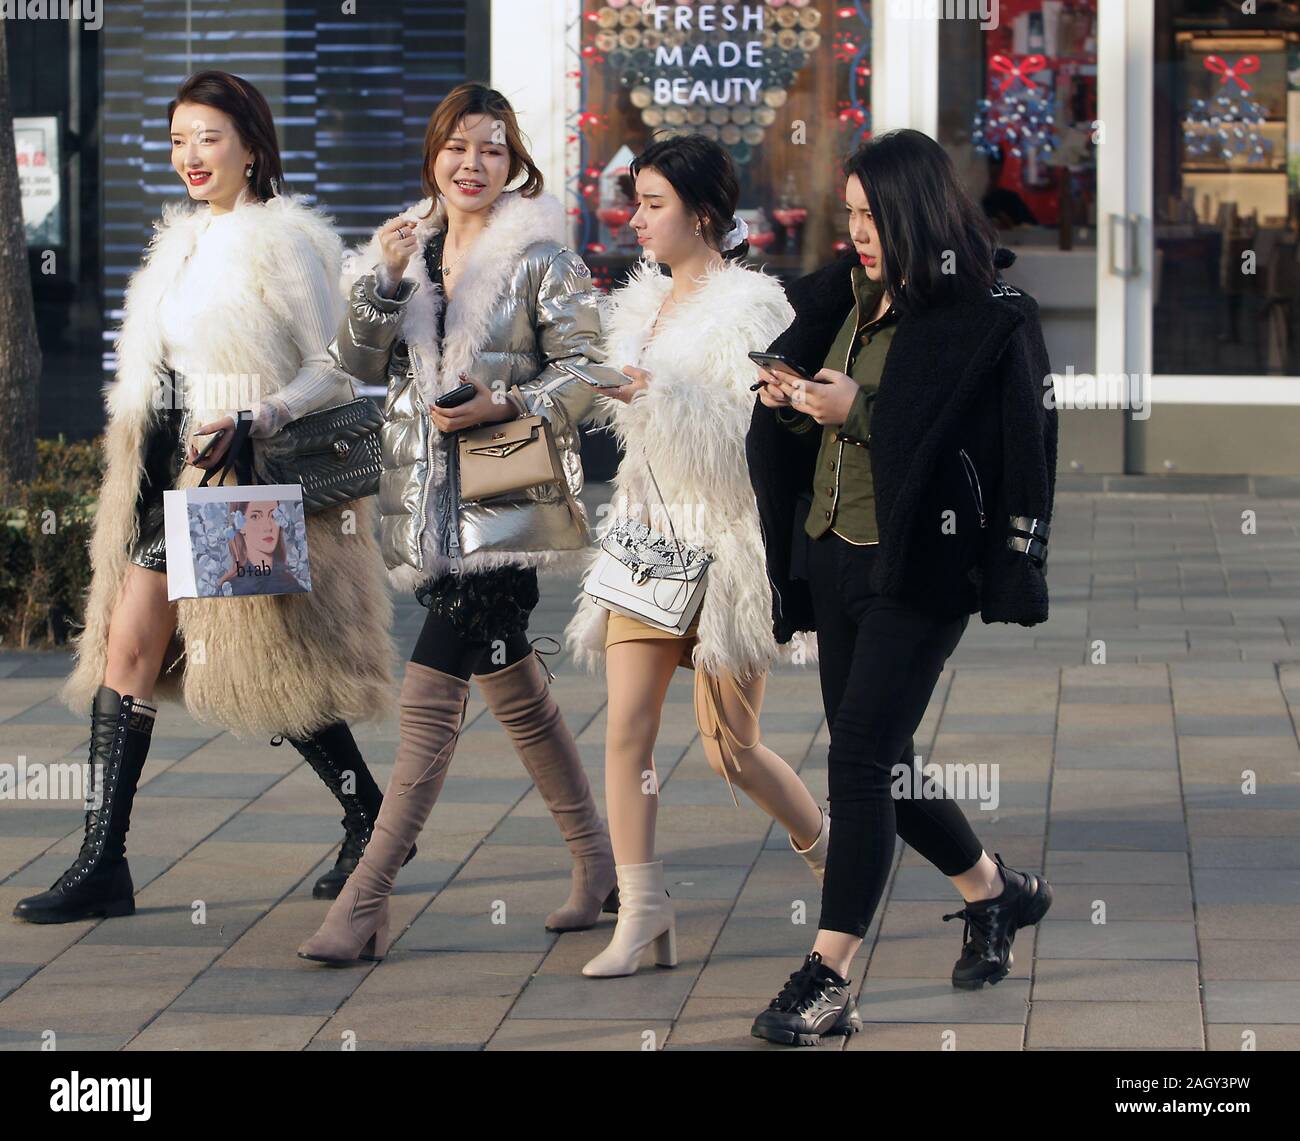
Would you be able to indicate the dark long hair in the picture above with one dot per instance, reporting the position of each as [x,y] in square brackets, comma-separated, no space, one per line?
[704,176]
[251,115]
[478,99]
[936,244]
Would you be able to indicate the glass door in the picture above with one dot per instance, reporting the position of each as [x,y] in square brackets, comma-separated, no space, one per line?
[1019,112]
[1204,233]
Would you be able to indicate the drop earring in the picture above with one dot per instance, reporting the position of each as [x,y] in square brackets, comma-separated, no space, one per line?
[248,171]
[697,228]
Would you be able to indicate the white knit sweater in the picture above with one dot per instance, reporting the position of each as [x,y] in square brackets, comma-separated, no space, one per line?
[308,295]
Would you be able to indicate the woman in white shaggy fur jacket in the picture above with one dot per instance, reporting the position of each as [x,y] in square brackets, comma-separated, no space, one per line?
[684,343]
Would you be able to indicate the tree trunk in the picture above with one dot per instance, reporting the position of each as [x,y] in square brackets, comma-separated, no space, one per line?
[20,351]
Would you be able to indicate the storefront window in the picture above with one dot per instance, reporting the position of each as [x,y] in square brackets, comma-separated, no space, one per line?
[1018,117]
[783,85]
[1227,190]
[351,89]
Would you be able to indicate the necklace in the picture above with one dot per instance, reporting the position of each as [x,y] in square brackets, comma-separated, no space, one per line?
[447,269]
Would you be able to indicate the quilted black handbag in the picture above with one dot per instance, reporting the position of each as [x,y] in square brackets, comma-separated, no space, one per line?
[334,453]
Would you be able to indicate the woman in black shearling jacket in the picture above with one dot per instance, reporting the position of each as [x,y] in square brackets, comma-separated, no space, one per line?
[897,497]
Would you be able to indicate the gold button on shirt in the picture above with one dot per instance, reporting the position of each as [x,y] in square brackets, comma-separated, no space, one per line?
[844,498]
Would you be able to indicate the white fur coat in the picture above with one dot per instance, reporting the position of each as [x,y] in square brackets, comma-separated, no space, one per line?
[258,665]
[690,425]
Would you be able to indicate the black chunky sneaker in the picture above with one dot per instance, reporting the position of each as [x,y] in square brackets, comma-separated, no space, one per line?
[814,1004]
[333,756]
[98,883]
[991,926]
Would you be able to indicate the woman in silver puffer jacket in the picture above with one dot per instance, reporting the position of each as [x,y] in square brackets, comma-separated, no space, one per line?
[473,289]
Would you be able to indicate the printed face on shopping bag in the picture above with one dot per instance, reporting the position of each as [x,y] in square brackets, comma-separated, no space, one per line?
[222,544]
[261,529]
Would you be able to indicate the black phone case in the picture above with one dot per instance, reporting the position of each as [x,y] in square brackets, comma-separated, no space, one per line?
[456,397]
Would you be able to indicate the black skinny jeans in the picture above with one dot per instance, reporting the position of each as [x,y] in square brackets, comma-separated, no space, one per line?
[879,661]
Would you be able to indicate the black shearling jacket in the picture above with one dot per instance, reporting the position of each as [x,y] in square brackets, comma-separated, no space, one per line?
[963,455]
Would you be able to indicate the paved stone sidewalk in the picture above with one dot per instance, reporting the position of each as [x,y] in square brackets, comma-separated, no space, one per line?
[1158,786]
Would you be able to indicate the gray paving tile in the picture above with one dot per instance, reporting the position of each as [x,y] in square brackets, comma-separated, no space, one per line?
[998,722]
[49,712]
[652,994]
[1129,835]
[1267,796]
[770,936]
[441,931]
[229,786]
[526,831]
[1247,852]
[1157,755]
[930,1000]
[483,790]
[18,1040]
[1233,725]
[262,990]
[1102,867]
[280,828]
[53,822]
[173,927]
[1248,1002]
[1114,695]
[13,975]
[1236,886]
[1066,939]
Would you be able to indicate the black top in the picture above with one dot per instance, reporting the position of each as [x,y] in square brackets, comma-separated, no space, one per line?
[433,263]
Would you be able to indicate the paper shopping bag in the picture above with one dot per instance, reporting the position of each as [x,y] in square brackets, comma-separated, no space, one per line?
[234,541]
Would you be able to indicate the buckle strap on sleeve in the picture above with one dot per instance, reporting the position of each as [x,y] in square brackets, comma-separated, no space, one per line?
[1029,537]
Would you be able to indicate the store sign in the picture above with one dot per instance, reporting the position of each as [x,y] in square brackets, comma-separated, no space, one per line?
[712,61]
[36,141]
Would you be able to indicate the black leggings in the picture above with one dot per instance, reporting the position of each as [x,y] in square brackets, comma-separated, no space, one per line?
[477,621]
[879,661]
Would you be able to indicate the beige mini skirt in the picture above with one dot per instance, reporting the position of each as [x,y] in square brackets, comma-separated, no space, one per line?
[623,628]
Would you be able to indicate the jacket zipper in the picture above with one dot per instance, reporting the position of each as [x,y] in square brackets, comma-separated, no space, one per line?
[453,498]
[973,479]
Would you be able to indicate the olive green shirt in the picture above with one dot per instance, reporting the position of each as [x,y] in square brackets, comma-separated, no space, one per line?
[844,499]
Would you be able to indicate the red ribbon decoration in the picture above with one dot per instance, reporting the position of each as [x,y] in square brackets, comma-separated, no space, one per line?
[1014,71]
[1247,65]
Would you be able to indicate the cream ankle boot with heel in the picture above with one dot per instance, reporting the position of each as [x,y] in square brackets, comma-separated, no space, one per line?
[645,916]
[815,854]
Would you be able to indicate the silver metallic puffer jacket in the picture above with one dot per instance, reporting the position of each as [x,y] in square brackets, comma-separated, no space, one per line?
[507,325]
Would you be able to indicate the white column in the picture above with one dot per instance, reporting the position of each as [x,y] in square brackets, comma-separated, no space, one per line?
[904,66]
[528,63]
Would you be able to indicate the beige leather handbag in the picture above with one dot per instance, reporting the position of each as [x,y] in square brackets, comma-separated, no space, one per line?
[510,456]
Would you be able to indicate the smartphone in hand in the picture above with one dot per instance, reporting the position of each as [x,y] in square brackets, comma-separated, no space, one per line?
[596,375]
[456,397]
[206,450]
[779,362]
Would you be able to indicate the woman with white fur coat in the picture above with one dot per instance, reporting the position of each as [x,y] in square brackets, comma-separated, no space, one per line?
[236,290]
[682,420]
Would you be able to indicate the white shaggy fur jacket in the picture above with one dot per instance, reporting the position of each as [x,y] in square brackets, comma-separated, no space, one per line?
[690,426]
[256,665]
